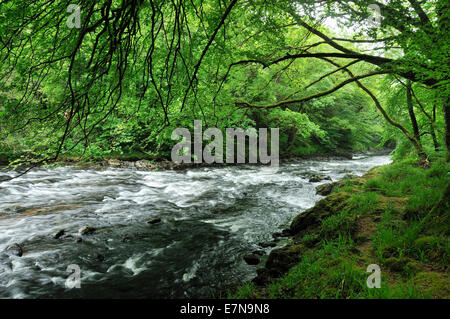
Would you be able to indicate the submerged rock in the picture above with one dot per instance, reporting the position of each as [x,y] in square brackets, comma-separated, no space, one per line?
[315,178]
[283,233]
[258,252]
[4,178]
[126,239]
[154,221]
[286,232]
[59,234]
[86,230]
[15,250]
[276,235]
[268,244]
[252,259]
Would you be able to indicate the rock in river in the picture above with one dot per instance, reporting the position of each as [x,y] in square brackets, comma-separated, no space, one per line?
[268,244]
[284,233]
[87,230]
[144,164]
[252,259]
[259,252]
[318,178]
[15,250]
[59,234]
[154,221]
[325,189]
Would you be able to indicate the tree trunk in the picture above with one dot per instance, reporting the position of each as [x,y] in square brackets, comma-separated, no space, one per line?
[411,111]
[433,136]
[423,158]
[446,107]
[443,9]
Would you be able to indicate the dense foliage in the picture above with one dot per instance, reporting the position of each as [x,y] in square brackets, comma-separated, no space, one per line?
[135,70]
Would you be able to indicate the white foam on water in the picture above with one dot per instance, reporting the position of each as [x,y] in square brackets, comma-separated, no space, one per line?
[244,201]
[191,273]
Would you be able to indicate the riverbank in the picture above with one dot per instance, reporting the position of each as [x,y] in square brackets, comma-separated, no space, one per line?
[395,216]
[140,163]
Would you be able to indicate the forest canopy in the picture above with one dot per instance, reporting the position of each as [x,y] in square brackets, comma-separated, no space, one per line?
[119,82]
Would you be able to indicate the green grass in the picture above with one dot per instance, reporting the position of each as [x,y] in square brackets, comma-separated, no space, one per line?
[401,213]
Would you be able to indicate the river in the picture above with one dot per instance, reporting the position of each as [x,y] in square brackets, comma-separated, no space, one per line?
[210,218]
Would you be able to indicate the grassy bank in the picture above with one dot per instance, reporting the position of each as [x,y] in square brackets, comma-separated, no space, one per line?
[395,216]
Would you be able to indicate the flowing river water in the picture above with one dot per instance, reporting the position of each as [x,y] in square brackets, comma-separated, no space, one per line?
[210,218]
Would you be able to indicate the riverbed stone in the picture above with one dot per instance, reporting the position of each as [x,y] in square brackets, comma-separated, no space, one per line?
[283,233]
[15,250]
[144,164]
[126,239]
[114,163]
[258,252]
[286,232]
[315,178]
[153,221]
[252,259]
[277,234]
[59,234]
[86,230]
[268,244]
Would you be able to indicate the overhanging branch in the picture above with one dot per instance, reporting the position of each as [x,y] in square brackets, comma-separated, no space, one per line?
[311,97]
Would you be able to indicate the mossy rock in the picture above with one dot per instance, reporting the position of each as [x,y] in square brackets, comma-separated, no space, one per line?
[311,218]
[327,189]
[282,259]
